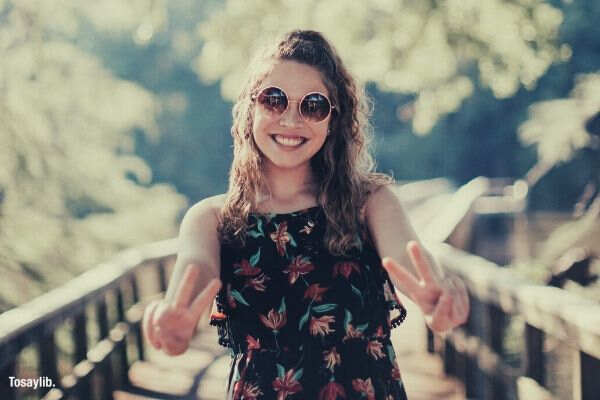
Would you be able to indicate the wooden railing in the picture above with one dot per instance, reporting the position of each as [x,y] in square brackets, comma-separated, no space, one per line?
[84,335]
[497,295]
[507,309]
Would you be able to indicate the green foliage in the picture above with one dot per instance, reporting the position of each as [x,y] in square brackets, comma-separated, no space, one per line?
[557,127]
[72,191]
[425,48]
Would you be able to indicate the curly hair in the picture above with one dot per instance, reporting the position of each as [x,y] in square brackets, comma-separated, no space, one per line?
[343,168]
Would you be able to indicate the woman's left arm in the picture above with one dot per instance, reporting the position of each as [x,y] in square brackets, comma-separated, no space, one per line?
[441,296]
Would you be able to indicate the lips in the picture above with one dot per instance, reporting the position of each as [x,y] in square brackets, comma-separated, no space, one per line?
[288,141]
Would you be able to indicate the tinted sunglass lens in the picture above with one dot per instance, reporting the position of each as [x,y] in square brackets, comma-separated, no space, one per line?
[315,107]
[273,99]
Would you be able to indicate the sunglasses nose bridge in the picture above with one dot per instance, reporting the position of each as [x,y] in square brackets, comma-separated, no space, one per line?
[291,115]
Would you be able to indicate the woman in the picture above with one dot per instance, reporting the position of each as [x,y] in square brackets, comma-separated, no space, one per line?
[301,249]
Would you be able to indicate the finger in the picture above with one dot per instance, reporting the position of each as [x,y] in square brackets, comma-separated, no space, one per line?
[403,278]
[185,291]
[205,298]
[148,324]
[442,313]
[419,261]
[174,346]
[462,299]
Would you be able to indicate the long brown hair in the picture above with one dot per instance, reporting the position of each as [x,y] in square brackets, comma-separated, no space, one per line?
[343,167]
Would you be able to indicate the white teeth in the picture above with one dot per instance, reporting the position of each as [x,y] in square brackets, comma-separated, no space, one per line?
[287,141]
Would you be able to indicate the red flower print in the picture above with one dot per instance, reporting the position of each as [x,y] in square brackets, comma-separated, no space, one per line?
[281,237]
[286,385]
[396,372]
[244,268]
[314,292]
[374,349]
[246,391]
[274,320]
[253,344]
[379,332]
[331,358]
[332,391]
[364,386]
[299,266]
[345,268]
[320,326]
[352,333]
[258,282]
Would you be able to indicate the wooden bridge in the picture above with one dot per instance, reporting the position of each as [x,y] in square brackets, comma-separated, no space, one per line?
[86,336]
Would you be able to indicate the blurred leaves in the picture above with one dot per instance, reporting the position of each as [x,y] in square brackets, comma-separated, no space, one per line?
[426,48]
[557,127]
[71,190]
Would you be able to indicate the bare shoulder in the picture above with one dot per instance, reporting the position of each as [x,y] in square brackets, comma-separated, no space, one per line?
[204,214]
[198,233]
[382,199]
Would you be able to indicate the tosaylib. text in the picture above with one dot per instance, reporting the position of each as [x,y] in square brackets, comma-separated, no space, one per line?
[40,382]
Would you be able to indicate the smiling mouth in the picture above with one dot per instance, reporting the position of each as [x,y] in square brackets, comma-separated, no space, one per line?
[288,141]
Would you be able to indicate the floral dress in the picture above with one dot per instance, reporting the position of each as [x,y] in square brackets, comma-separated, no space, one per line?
[303,323]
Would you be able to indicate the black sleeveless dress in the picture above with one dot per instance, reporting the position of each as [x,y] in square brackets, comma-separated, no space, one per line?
[302,323]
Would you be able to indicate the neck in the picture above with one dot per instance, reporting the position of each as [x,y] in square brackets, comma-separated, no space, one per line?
[289,186]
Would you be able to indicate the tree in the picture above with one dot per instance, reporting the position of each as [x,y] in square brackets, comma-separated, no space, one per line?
[425,48]
[71,190]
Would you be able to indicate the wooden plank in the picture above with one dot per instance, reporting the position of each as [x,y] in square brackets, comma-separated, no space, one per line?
[122,395]
[529,389]
[159,379]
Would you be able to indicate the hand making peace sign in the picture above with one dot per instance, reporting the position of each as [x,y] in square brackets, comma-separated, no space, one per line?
[444,302]
[171,325]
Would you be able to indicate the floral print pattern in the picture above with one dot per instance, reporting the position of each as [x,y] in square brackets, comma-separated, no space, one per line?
[302,323]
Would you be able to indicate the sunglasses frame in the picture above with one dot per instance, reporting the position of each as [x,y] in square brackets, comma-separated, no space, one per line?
[331,105]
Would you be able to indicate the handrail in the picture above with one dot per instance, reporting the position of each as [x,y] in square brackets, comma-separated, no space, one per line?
[70,298]
[35,323]
[560,313]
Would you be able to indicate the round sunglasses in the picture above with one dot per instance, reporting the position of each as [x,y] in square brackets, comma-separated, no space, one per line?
[313,107]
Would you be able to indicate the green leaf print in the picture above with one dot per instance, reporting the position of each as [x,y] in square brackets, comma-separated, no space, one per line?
[303,319]
[347,319]
[259,226]
[324,308]
[358,293]
[238,296]
[391,352]
[282,306]
[292,241]
[254,234]
[298,374]
[280,371]
[254,259]
[363,327]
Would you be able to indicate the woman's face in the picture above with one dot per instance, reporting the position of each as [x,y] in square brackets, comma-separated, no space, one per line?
[287,140]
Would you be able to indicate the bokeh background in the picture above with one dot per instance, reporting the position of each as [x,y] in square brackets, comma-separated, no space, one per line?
[115,115]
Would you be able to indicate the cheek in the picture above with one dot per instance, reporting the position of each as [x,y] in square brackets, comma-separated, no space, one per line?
[259,125]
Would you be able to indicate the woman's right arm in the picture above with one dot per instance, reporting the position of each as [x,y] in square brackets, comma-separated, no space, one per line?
[198,245]
[169,324]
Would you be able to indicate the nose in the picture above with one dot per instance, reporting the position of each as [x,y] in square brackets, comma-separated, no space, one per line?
[291,116]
